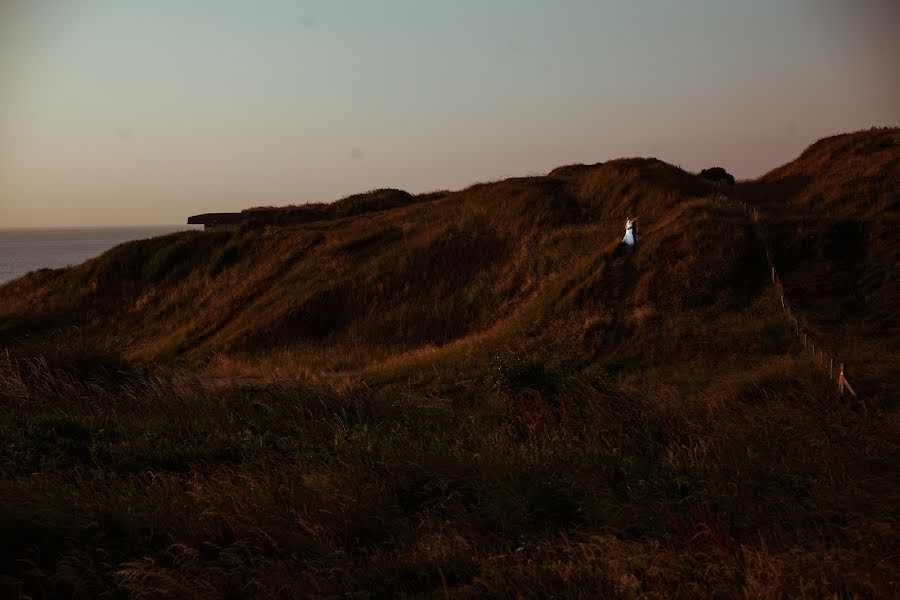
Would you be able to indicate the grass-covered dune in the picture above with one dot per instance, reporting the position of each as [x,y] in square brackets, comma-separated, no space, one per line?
[379,282]
[473,393]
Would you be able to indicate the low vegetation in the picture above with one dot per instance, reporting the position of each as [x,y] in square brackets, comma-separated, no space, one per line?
[717,174]
[471,394]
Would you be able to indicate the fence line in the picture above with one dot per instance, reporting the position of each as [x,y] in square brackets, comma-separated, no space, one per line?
[819,355]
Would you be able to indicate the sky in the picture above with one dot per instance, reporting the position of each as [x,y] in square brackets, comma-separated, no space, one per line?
[129,112]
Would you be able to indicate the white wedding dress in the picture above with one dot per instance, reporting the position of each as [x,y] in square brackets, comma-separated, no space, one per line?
[629,233]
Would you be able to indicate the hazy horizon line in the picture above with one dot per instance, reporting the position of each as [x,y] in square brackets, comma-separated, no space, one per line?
[499,177]
[133,226]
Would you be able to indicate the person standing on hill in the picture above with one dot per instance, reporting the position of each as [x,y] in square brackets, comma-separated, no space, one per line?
[630,229]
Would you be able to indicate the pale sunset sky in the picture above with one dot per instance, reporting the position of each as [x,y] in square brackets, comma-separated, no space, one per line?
[127,112]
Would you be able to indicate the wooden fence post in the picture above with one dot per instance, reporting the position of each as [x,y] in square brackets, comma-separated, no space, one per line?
[808,344]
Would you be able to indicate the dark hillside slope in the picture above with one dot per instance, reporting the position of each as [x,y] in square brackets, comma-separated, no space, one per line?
[834,220]
[386,274]
[473,394]
[422,274]
[850,175]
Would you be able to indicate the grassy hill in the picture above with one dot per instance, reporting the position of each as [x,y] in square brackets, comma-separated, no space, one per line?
[474,393]
[383,282]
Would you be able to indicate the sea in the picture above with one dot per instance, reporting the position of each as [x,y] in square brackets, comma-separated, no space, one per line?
[26,249]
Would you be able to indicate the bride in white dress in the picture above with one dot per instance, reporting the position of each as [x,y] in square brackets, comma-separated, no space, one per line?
[629,231]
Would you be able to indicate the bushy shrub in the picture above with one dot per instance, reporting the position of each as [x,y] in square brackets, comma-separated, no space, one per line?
[717,174]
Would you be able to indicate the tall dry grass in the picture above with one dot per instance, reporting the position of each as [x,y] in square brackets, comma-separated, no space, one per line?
[472,394]
[527,480]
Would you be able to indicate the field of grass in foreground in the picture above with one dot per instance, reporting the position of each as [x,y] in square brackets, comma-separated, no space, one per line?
[583,486]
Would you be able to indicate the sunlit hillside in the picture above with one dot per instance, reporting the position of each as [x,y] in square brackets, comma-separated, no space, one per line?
[472,393]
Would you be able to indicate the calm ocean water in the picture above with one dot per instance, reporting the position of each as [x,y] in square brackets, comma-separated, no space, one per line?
[24,250]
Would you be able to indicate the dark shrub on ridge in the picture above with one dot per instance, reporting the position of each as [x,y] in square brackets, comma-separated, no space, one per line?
[717,174]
